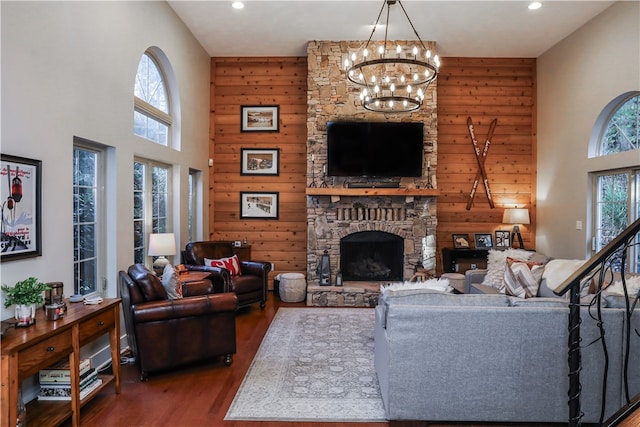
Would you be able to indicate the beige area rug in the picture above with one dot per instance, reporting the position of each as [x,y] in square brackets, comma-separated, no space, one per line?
[314,364]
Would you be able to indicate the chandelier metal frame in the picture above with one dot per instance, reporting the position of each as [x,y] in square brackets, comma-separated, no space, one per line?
[404,89]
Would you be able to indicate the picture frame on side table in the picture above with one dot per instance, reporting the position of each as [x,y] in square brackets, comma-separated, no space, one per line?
[483,240]
[503,239]
[260,161]
[21,233]
[259,205]
[461,241]
[260,118]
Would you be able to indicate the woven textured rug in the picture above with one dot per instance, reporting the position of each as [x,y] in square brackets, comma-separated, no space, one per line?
[314,364]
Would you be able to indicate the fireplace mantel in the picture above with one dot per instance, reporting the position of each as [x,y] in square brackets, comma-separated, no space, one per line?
[369,192]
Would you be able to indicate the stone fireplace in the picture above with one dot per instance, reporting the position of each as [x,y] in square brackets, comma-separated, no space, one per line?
[344,220]
[405,227]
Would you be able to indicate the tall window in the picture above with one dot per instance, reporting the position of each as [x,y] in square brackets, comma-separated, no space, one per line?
[87,219]
[617,192]
[152,116]
[151,204]
[192,213]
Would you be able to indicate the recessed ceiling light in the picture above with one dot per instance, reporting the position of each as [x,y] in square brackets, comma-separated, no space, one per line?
[237,5]
[535,5]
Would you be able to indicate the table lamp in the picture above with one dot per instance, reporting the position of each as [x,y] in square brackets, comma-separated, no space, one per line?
[516,216]
[160,245]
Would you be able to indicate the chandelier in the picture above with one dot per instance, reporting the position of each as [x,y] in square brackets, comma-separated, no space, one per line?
[393,78]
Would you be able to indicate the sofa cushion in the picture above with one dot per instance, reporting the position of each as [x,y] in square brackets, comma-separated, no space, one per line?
[231,263]
[497,263]
[171,283]
[537,302]
[148,282]
[522,278]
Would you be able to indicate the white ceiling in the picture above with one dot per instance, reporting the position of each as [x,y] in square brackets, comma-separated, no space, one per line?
[459,28]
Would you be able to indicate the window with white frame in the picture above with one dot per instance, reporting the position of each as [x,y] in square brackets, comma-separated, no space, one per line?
[87,218]
[151,204]
[622,132]
[152,115]
[192,210]
[616,195]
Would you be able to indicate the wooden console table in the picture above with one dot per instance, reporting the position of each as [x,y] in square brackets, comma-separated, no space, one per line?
[27,350]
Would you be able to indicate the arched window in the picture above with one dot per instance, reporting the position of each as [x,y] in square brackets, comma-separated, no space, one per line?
[616,191]
[622,130]
[152,117]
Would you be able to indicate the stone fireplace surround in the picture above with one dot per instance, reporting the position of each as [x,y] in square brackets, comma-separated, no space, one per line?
[331,217]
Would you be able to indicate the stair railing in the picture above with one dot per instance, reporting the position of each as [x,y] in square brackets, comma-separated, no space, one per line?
[613,257]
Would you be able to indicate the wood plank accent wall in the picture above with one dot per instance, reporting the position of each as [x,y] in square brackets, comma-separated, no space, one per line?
[260,81]
[486,88]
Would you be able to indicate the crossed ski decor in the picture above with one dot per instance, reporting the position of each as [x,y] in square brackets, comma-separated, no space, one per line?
[480,158]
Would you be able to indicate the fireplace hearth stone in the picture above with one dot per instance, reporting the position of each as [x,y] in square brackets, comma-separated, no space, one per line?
[351,294]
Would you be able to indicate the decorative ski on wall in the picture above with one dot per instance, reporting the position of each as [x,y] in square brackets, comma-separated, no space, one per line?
[480,158]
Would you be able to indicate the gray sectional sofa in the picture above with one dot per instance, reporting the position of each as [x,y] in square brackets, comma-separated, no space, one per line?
[492,358]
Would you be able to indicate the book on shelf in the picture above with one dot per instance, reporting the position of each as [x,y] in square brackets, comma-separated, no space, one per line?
[88,377]
[65,394]
[61,373]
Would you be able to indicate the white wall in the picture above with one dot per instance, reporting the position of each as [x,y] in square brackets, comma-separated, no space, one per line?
[68,69]
[577,78]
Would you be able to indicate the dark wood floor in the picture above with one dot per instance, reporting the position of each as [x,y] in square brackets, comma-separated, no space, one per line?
[201,395]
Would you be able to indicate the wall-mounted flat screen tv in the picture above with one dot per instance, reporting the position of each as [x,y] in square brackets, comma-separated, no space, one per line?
[374,149]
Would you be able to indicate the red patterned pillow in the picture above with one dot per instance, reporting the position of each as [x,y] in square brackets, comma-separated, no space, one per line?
[232,264]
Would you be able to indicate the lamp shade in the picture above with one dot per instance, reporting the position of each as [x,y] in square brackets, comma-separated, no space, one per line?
[162,244]
[516,216]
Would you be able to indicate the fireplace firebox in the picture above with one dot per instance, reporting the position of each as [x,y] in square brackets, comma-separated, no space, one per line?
[372,256]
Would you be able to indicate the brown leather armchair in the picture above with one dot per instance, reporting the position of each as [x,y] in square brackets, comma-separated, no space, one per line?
[250,286]
[164,334]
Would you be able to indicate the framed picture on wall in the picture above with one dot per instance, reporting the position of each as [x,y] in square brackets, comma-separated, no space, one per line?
[503,239]
[264,161]
[20,195]
[260,118]
[461,241]
[483,240]
[259,205]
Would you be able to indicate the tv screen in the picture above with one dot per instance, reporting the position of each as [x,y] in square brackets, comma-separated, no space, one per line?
[374,149]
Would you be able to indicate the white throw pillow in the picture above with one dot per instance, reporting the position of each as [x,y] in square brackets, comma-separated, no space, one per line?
[441,285]
[633,286]
[171,283]
[557,271]
[497,263]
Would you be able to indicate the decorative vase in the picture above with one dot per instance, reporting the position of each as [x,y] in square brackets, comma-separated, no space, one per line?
[25,314]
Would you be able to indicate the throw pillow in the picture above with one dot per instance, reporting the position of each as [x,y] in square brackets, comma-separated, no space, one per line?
[557,271]
[497,262]
[231,263]
[522,278]
[171,283]
[633,286]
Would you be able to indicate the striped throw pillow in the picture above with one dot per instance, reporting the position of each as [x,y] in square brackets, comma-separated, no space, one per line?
[522,278]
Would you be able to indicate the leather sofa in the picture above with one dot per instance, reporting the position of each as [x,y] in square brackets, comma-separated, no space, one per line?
[250,286]
[164,334]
